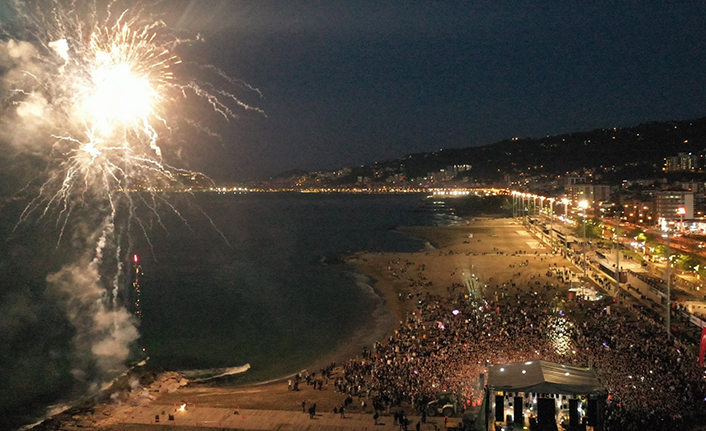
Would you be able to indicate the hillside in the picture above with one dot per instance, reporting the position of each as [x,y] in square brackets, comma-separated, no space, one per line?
[626,152]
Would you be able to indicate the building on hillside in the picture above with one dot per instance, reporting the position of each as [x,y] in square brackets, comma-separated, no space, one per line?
[459,168]
[681,162]
[572,180]
[638,210]
[593,193]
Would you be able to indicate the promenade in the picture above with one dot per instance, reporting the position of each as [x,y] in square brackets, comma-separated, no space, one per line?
[251,419]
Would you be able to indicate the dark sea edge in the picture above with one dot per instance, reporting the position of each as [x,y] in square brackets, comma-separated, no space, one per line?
[369,326]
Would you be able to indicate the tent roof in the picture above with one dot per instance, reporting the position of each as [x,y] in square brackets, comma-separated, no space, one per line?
[543,377]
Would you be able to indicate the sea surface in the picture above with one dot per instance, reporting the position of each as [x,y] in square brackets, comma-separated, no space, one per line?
[242,287]
[275,295]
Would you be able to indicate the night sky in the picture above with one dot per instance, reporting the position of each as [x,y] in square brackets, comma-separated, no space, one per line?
[351,82]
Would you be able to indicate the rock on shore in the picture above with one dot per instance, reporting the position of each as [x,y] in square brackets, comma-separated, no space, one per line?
[111,405]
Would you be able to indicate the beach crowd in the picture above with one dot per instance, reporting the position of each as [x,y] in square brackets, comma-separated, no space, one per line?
[448,341]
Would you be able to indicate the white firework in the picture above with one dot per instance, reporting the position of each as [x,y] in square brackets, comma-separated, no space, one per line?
[103,85]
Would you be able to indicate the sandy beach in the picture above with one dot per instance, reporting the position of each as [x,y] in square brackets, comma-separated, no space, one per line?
[493,250]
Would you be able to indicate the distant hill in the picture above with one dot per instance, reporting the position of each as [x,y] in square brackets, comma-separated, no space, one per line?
[288,174]
[616,152]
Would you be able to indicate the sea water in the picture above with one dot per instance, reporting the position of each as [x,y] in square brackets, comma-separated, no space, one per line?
[273,296]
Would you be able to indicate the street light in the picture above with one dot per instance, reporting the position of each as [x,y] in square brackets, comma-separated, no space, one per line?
[519,205]
[551,222]
[534,203]
[669,304]
[681,211]
[565,201]
[617,252]
[583,205]
[541,210]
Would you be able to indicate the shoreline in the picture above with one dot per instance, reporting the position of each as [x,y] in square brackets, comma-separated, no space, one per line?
[380,325]
[383,319]
[382,322]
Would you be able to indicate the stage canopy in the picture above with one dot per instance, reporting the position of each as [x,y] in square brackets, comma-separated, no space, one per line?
[544,378]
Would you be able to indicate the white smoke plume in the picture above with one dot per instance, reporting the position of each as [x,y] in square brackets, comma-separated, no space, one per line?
[104,330]
[26,123]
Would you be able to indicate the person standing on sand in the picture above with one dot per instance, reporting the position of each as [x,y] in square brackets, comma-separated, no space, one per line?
[343,414]
[304,406]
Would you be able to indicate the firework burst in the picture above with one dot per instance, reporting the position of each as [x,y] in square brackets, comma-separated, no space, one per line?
[104,89]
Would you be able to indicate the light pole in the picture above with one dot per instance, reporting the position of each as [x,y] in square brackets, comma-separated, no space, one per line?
[566,219]
[520,207]
[551,222]
[669,304]
[539,215]
[583,205]
[617,252]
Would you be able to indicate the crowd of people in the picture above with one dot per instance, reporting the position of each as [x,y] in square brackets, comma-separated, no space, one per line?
[652,380]
[448,341]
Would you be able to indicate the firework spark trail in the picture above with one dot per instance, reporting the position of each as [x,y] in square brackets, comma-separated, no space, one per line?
[102,86]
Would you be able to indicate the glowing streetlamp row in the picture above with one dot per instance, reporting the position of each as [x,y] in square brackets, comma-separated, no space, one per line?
[583,204]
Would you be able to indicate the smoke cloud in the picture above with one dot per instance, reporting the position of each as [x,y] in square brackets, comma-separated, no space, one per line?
[20,52]
[105,330]
[27,113]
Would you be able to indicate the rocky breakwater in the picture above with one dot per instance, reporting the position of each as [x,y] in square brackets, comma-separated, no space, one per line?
[115,403]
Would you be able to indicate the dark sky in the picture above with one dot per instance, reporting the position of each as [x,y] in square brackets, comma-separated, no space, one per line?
[350,82]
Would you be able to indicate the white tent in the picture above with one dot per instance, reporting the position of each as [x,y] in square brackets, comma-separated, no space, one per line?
[543,377]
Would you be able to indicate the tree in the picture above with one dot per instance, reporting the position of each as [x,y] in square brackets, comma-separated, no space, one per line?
[660,250]
[593,228]
[632,233]
[688,262]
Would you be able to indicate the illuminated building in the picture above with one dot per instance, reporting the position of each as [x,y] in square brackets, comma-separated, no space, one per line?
[593,193]
[668,201]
